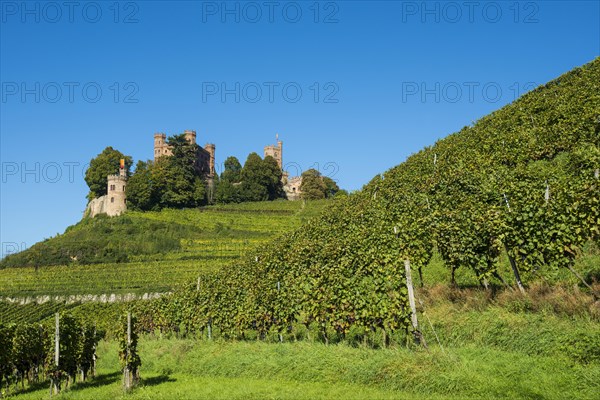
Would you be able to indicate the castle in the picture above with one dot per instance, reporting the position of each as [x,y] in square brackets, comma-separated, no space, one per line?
[115,202]
[205,158]
[291,186]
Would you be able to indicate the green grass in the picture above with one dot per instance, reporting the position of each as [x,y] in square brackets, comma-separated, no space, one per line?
[174,369]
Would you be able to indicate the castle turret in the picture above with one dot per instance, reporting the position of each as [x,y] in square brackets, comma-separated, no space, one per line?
[116,202]
[161,148]
[190,136]
[276,152]
[210,147]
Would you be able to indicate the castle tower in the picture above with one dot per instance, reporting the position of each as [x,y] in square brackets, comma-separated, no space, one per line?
[190,136]
[210,147]
[116,203]
[161,148]
[276,152]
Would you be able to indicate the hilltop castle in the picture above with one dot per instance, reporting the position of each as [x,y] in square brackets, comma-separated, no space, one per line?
[291,186]
[115,202]
[205,159]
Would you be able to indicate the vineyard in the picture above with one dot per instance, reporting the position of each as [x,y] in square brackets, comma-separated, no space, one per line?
[206,240]
[498,223]
[62,352]
[521,183]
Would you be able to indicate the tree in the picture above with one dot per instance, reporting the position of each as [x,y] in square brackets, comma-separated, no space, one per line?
[227,192]
[199,195]
[104,164]
[253,187]
[313,186]
[140,191]
[331,187]
[233,169]
[178,180]
[272,177]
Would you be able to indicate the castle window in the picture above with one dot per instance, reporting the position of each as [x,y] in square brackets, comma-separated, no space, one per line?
[112,199]
[123,188]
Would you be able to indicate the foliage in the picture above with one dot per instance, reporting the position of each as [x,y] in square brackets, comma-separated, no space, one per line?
[140,191]
[175,181]
[522,179]
[227,192]
[315,186]
[128,353]
[232,171]
[104,164]
[7,333]
[258,180]
[158,251]
[27,350]
[254,186]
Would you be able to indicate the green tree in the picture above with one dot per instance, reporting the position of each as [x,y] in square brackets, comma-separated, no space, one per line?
[228,189]
[233,169]
[254,187]
[104,164]
[331,187]
[272,177]
[141,193]
[227,192]
[199,196]
[178,180]
[313,186]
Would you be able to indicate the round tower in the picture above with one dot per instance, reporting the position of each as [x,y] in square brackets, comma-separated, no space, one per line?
[116,202]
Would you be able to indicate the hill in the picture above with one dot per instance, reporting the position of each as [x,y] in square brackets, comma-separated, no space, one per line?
[146,252]
[511,201]
[520,183]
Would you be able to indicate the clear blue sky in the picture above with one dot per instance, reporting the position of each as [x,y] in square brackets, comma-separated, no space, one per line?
[378,81]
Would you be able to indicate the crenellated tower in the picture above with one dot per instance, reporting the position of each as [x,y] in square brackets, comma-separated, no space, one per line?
[276,151]
[116,202]
[161,148]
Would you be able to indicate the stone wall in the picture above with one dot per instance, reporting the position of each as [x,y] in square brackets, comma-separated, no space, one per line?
[96,206]
[292,188]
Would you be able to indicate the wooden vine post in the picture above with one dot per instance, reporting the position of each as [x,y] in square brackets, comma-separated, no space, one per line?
[419,339]
[278,290]
[513,264]
[55,378]
[94,357]
[126,371]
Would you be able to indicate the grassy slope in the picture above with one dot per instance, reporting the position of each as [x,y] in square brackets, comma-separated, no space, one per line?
[194,369]
[205,240]
[503,345]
